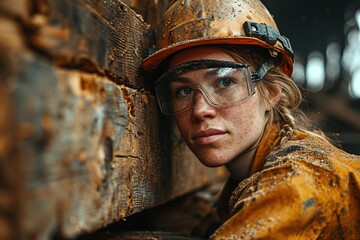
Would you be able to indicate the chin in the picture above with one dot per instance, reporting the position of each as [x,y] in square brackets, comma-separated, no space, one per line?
[211,162]
[212,165]
[211,157]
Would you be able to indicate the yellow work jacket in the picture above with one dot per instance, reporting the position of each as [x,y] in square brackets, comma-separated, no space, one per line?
[303,189]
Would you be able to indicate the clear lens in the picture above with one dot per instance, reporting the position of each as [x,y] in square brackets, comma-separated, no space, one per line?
[220,84]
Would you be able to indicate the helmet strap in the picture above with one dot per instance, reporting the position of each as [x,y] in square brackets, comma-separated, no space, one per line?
[264,68]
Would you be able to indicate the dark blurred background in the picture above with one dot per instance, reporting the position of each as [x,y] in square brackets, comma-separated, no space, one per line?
[326,40]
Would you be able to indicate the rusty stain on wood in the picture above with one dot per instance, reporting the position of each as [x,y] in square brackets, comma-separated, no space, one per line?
[130,101]
[106,37]
[81,143]
[106,158]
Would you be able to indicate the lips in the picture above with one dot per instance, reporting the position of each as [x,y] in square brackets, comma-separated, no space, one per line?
[208,136]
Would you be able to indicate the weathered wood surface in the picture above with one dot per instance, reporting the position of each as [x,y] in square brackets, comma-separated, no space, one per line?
[151,10]
[81,143]
[136,235]
[106,37]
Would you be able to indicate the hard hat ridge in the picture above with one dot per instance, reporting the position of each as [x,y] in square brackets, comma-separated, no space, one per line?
[190,23]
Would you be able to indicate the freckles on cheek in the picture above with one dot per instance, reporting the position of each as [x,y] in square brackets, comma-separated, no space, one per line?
[246,121]
[245,124]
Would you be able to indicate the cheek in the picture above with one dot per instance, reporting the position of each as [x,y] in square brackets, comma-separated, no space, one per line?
[250,117]
[182,123]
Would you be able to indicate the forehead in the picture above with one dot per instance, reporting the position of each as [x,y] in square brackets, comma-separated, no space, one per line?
[207,68]
[202,75]
[200,53]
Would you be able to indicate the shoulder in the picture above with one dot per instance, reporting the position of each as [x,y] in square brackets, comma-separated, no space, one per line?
[303,185]
[312,152]
[311,166]
[307,188]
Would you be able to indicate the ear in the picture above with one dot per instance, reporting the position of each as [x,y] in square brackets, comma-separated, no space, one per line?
[273,94]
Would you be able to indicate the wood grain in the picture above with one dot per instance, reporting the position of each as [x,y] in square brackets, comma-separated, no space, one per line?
[82,144]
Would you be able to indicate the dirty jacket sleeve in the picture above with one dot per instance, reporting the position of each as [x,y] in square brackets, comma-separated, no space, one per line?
[307,189]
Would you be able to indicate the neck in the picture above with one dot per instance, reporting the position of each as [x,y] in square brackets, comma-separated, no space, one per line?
[240,166]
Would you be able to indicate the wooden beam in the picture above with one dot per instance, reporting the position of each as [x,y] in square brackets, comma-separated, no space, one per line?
[19,9]
[81,148]
[150,10]
[104,37]
[87,152]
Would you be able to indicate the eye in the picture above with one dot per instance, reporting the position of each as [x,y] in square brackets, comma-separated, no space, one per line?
[225,82]
[183,91]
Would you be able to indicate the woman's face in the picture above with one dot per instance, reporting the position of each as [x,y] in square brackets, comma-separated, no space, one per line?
[218,134]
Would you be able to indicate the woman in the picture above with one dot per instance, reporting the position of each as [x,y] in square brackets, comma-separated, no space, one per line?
[224,76]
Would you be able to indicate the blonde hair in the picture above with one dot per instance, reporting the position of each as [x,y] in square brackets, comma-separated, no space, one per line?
[286,112]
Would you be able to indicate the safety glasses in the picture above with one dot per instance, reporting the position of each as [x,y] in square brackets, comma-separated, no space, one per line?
[220,82]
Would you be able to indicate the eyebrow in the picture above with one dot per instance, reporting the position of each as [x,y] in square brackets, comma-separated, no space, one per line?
[217,71]
[210,73]
[181,80]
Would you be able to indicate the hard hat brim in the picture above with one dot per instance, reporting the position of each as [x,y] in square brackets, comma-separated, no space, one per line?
[152,62]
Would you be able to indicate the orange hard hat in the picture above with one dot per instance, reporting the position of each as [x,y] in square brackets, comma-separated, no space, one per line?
[190,23]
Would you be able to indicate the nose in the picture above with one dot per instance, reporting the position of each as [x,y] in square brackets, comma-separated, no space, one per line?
[201,108]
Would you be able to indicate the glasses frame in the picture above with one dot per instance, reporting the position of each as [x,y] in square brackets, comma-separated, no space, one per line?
[201,64]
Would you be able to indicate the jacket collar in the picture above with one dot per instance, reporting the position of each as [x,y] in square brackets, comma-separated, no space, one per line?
[270,139]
